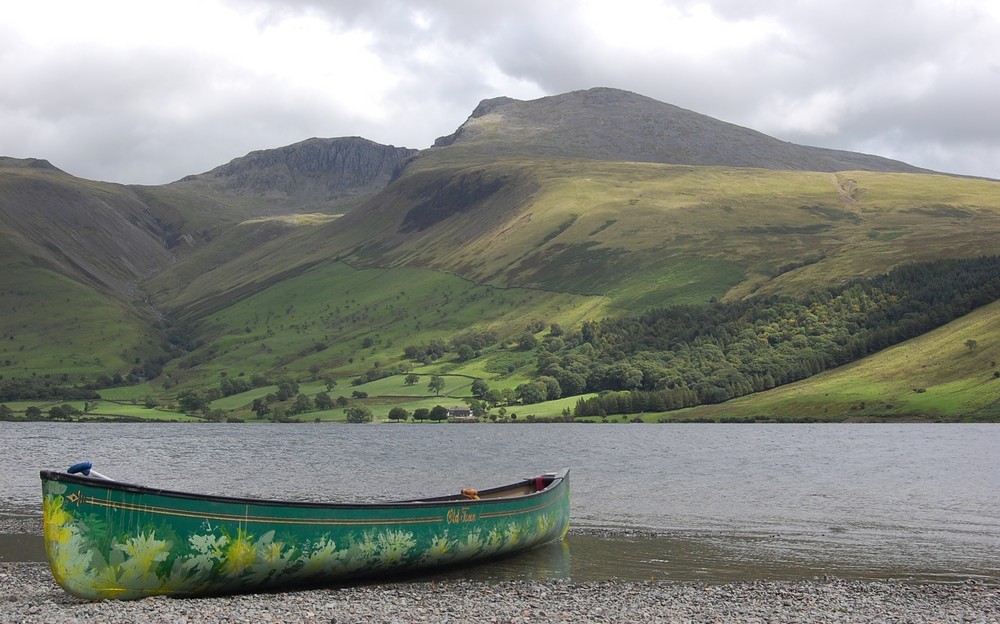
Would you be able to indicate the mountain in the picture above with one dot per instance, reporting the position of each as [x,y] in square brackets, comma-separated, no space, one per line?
[323,175]
[330,256]
[610,124]
[585,191]
[76,253]
[72,254]
[99,234]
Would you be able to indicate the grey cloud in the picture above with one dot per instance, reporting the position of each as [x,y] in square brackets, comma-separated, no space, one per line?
[911,80]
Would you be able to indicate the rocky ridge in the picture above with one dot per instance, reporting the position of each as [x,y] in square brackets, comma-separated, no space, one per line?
[314,171]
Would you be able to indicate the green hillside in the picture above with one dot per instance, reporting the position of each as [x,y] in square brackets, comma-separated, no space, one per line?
[565,243]
[602,227]
[340,321]
[639,234]
[938,376]
[73,256]
[791,232]
[494,256]
[54,326]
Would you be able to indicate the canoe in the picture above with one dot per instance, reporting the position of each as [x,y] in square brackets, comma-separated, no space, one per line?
[109,539]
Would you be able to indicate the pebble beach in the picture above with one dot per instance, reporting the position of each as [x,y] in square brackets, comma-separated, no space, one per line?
[31,595]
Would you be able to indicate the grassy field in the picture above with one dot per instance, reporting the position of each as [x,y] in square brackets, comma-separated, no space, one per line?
[103,410]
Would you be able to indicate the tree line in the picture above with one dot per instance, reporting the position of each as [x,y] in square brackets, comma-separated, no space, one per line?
[683,356]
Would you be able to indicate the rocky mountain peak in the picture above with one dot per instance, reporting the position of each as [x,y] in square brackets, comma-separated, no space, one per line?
[313,171]
[611,124]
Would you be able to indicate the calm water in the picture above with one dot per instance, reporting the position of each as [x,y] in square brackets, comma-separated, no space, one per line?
[727,501]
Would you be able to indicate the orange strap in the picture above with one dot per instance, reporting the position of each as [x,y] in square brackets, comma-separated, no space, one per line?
[470,493]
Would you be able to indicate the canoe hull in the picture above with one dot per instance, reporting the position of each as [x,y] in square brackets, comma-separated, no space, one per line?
[106,539]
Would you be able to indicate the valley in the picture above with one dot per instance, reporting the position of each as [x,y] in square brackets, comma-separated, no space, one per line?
[504,238]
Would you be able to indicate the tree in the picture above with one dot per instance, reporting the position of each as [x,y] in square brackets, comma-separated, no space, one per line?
[465,353]
[191,401]
[302,404]
[421,413]
[33,412]
[323,401]
[439,413]
[509,396]
[493,397]
[436,385]
[971,344]
[480,388]
[331,383]
[359,414]
[534,392]
[436,349]
[478,408]
[570,383]
[259,381]
[527,341]
[398,413]
[414,352]
[411,379]
[623,376]
[552,389]
[260,407]
[287,388]
[5,412]
[229,386]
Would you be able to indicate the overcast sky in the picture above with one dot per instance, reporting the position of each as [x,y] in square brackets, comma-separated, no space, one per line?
[148,91]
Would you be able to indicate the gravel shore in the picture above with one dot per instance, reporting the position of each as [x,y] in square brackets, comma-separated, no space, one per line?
[31,595]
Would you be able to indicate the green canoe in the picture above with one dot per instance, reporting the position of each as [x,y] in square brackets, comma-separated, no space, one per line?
[107,539]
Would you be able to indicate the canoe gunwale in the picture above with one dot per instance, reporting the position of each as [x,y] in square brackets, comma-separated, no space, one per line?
[552,481]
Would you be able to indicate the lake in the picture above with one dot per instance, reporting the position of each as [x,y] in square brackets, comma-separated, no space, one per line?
[671,501]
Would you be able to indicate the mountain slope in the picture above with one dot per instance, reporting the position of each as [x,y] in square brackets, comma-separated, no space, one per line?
[596,227]
[72,254]
[76,252]
[488,207]
[610,124]
[96,233]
